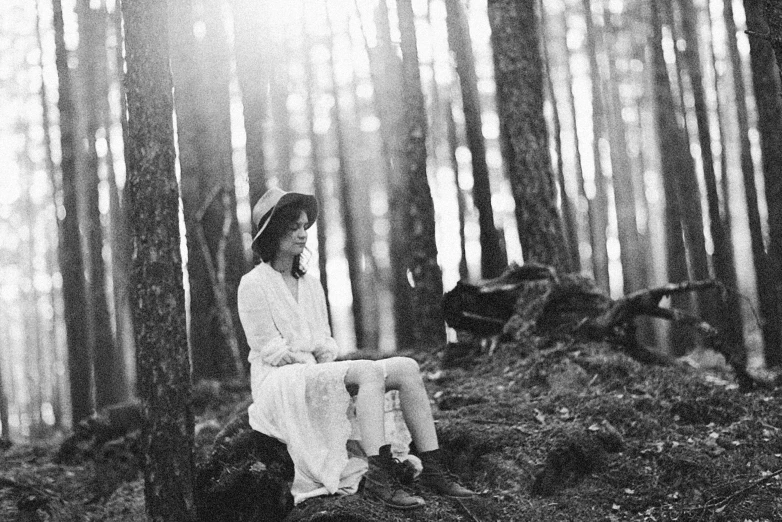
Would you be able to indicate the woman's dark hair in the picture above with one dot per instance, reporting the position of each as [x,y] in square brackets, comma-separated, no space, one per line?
[265,247]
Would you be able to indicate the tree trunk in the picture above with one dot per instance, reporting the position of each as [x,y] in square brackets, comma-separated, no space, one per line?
[120,241]
[316,144]
[108,362]
[583,200]
[767,308]
[492,257]
[253,67]
[774,21]
[675,160]
[71,263]
[159,315]
[461,204]
[282,136]
[421,252]
[633,273]
[519,79]
[766,84]
[386,71]
[566,202]
[5,436]
[728,316]
[345,186]
[598,208]
[216,259]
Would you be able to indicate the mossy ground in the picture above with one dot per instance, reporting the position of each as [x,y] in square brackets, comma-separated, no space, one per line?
[568,433]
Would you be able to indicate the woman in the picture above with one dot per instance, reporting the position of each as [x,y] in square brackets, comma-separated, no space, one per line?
[300,395]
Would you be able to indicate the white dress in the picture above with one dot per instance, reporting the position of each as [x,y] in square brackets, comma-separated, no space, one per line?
[304,405]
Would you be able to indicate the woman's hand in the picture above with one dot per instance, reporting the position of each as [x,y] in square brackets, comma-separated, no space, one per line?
[288,358]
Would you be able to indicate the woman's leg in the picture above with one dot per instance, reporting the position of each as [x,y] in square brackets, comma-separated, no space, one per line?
[405,376]
[370,401]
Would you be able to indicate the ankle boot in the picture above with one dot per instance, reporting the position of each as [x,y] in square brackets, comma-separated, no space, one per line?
[380,482]
[436,477]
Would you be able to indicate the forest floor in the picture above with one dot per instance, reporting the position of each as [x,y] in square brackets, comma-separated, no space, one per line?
[568,433]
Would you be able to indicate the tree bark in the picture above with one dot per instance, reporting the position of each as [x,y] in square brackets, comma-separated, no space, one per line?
[70,258]
[633,273]
[598,207]
[282,136]
[768,96]
[253,67]
[159,313]
[566,202]
[767,308]
[492,257]
[675,160]
[5,436]
[108,362]
[345,186]
[316,144]
[774,21]
[421,252]
[722,258]
[519,79]
[461,204]
[215,252]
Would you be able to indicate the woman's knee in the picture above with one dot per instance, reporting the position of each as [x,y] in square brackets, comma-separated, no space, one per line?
[365,373]
[402,370]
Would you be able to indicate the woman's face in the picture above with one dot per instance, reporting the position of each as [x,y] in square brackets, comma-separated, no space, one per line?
[295,237]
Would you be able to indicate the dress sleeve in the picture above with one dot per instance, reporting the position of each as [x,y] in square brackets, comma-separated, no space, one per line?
[255,315]
[324,341]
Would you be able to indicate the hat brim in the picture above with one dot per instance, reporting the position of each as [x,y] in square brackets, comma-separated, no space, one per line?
[308,202]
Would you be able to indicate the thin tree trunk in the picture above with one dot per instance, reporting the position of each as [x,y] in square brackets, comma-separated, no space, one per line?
[598,208]
[345,184]
[108,362]
[674,161]
[729,317]
[461,204]
[633,273]
[421,252]
[386,71]
[492,257]
[774,21]
[54,295]
[253,67]
[316,144]
[216,259]
[71,263]
[768,96]
[282,136]
[120,251]
[159,315]
[566,202]
[579,170]
[767,308]
[5,436]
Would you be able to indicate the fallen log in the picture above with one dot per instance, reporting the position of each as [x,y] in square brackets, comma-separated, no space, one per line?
[553,306]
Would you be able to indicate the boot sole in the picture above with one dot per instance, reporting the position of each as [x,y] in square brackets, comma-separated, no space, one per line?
[394,506]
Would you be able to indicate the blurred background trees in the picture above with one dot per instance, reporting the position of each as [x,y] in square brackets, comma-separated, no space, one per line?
[635,142]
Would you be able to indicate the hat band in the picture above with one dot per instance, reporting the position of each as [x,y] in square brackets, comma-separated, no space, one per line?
[271,214]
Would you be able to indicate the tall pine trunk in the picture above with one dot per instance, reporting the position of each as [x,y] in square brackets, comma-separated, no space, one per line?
[316,145]
[70,258]
[633,272]
[200,70]
[253,67]
[766,84]
[345,186]
[426,292]
[159,315]
[722,259]
[5,436]
[519,79]
[492,257]
[108,362]
[675,160]
[598,207]
[767,308]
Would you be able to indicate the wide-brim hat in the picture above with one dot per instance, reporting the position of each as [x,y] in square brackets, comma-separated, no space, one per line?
[276,198]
